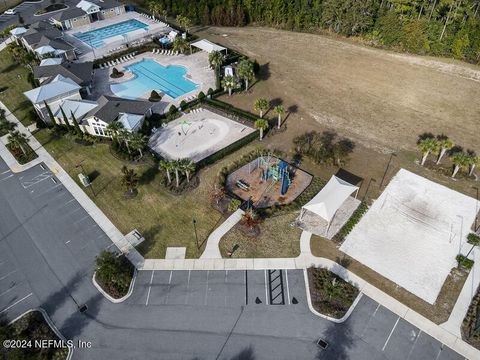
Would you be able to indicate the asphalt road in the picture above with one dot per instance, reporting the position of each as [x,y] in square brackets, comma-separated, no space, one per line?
[47,248]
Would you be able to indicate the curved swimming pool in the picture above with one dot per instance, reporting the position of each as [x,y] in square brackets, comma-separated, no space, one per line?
[150,75]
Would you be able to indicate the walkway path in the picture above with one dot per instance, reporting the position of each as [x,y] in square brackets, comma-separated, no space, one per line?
[212,251]
[43,156]
[447,333]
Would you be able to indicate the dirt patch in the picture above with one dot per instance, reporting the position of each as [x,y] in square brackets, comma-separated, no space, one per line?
[382,99]
[438,313]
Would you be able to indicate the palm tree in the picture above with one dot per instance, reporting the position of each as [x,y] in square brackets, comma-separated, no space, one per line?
[228,83]
[164,14]
[279,110]
[129,180]
[261,124]
[180,44]
[17,140]
[5,125]
[474,161]
[461,160]
[176,167]
[245,71]
[167,166]
[155,8]
[184,22]
[261,105]
[444,144]
[427,146]
[216,59]
[125,135]
[138,142]
[188,167]
[114,129]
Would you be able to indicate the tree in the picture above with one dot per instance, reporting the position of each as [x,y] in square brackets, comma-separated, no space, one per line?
[18,140]
[75,124]
[473,162]
[114,129]
[261,105]
[461,160]
[137,142]
[129,180]
[184,22]
[180,44]
[5,125]
[245,71]
[114,272]
[250,218]
[444,144]
[427,146]
[176,167]
[188,167]
[261,124]
[125,135]
[65,120]
[279,110]
[155,8]
[216,59]
[167,166]
[50,115]
[229,83]
[341,150]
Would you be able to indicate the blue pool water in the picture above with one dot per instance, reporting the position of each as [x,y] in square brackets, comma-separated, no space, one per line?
[150,75]
[95,38]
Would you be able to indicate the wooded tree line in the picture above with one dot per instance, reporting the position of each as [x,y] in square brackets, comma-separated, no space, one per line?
[436,27]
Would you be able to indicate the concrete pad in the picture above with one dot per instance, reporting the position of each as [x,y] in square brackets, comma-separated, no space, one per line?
[175,253]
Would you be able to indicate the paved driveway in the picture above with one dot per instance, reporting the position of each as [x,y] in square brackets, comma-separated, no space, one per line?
[47,248]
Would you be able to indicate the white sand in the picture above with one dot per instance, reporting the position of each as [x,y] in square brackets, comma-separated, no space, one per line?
[412,233]
[197,135]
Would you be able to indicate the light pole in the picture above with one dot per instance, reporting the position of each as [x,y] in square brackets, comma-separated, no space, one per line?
[475,227]
[195,229]
[388,166]
[368,187]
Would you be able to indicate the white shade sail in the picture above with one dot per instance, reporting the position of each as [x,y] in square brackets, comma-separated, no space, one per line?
[208,46]
[330,198]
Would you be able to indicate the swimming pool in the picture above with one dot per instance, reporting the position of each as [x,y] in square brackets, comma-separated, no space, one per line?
[150,75]
[95,38]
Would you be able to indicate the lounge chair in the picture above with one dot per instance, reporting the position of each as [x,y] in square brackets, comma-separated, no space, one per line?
[176,53]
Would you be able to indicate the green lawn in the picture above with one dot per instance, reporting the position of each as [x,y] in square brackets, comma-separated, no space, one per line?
[13,83]
[164,219]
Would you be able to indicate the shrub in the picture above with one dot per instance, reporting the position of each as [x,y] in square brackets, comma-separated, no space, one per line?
[201,95]
[173,109]
[183,103]
[350,224]
[209,91]
[116,74]
[114,273]
[464,262]
[473,239]
[155,96]
[234,205]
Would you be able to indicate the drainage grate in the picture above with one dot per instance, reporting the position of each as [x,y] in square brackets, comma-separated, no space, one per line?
[322,343]
[82,308]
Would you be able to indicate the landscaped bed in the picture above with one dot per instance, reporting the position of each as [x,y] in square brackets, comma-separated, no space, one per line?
[20,156]
[29,328]
[114,274]
[471,323]
[330,294]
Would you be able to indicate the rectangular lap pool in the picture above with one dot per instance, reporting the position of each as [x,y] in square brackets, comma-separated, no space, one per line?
[150,75]
[95,38]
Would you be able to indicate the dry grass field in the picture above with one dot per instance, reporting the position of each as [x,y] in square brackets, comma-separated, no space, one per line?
[382,99]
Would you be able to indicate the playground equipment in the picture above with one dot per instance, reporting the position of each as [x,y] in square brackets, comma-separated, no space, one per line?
[278,171]
[243,185]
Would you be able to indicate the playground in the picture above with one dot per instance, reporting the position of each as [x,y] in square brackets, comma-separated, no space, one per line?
[268,181]
[196,135]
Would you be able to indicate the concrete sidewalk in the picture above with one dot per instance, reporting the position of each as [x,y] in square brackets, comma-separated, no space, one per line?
[43,156]
[212,251]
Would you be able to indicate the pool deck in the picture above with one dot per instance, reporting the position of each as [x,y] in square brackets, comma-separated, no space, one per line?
[197,65]
[89,54]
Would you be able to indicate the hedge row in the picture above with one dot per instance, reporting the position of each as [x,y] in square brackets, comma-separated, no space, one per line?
[470,325]
[350,224]
[464,262]
[231,110]
[473,239]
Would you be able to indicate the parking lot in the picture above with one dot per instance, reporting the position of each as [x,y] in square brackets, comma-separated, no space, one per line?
[219,288]
[48,243]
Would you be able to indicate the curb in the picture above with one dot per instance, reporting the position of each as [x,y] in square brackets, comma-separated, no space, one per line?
[50,324]
[315,312]
[110,298]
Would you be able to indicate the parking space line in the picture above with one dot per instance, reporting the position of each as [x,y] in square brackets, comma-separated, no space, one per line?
[46,191]
[10,273]
[149,288]
[9,176]
[188,287]
[390,335]
[5,172]
[206,289]
[288,290]
[15,303]
[414,343]
[246,287]
[439,351]
[266,288]
[369,320]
